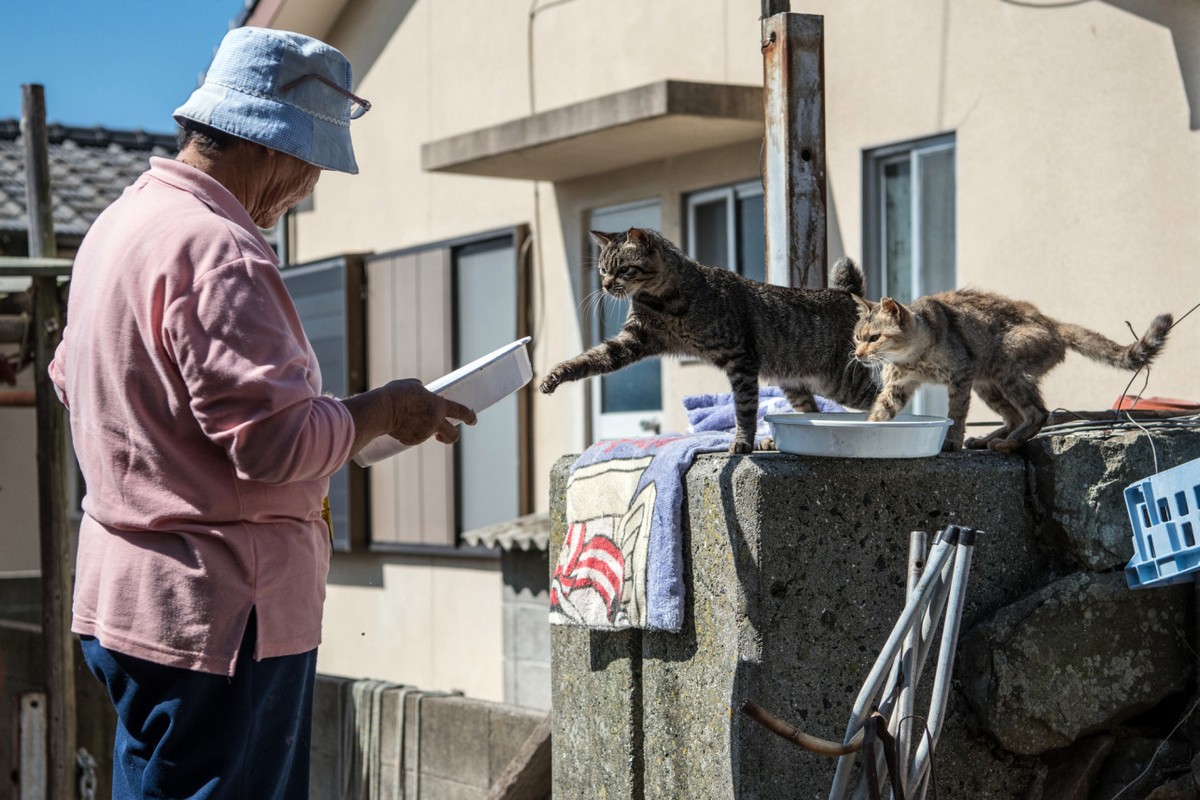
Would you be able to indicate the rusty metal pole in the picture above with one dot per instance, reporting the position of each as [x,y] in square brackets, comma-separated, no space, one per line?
[58,643]
[793,48]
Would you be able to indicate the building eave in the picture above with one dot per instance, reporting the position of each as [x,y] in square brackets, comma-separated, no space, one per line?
[659,120]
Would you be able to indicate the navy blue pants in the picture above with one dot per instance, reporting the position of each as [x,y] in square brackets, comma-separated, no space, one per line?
[185,734]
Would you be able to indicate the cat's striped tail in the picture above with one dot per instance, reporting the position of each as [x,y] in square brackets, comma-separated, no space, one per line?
[1100,348]
[848,275]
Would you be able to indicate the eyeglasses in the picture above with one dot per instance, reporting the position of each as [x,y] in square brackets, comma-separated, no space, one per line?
[360,106]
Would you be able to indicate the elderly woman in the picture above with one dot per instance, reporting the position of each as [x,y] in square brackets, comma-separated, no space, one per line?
[204,440]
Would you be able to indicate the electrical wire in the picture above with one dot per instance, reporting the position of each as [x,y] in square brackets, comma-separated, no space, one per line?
[1190,421]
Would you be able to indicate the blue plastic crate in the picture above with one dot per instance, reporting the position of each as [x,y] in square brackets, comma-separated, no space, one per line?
[1164,511]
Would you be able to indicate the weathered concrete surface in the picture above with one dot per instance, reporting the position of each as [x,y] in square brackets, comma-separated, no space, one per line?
[796,568]
[1081,481]
[596,683]
[1079,656]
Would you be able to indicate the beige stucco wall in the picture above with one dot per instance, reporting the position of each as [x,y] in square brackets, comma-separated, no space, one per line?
[427,622]
[1078,185]
[1078,172]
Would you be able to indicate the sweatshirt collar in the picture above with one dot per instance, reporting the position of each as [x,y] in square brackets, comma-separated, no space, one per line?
[207,190]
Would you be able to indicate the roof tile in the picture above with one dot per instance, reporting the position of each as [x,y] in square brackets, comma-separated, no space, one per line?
[89,168]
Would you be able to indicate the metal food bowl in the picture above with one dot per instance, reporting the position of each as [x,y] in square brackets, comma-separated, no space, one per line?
[849,435]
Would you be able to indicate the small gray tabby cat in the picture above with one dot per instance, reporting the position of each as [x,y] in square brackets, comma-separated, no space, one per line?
[799,338]
[970,339]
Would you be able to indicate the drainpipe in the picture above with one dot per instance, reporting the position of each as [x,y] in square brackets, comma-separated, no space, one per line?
[794,148]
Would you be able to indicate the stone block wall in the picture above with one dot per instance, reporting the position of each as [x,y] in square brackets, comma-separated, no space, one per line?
[430,746]
[526,633]
[796,573]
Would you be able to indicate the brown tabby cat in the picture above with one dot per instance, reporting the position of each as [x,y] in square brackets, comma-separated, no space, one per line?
[971,339]
[799,338]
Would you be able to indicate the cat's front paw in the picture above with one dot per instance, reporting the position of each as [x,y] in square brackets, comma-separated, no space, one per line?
[765,444]
[977,443]
[550,383]
[741,447]
[951,445]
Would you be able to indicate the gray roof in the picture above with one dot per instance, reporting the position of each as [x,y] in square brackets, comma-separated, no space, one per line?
[89,168]
[530,532]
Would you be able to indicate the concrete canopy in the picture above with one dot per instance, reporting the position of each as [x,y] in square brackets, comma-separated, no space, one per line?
[656,121]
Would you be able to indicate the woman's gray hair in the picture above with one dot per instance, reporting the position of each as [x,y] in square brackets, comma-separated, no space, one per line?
[209,141]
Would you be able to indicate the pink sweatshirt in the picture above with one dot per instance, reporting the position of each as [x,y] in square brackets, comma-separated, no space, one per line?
[197,417]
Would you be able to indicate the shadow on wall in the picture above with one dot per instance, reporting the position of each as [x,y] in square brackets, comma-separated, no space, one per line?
[1182,19]
[375,25]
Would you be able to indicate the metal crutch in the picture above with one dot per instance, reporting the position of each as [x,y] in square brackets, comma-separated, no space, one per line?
[937,586]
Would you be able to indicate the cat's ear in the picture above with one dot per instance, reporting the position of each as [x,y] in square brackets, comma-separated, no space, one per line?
[601,239]
[636,236]
[893,309]
[864,306]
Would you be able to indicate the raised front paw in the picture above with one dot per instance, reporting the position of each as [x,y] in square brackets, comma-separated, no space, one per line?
[550,383]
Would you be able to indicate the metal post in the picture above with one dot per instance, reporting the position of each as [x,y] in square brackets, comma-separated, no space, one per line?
[793,48]
[31,758]
[58,644]
[772,7]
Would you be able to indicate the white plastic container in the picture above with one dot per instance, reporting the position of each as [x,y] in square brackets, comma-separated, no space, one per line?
[478,385]
[849,435]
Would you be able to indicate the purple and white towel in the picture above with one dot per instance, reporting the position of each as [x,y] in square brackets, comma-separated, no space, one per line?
[716,412]
[621,564]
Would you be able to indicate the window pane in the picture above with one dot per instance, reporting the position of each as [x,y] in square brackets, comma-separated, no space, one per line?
[634,388]
[488,454]
[751,238]
[319,294]
[937,220]
[637,387]
[897,230]
[711,233]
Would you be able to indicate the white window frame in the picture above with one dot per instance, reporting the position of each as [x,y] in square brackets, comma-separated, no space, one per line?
[932,400]
[874,229]
[730,194]
[616,424]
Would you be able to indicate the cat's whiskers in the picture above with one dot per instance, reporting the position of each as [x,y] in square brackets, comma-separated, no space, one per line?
[589,304]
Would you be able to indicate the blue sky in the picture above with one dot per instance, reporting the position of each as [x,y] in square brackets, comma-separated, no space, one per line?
[121,64]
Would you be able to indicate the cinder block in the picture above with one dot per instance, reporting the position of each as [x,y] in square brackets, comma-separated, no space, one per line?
[533,684]
[508,728]
[326,769]
[434,788]
[532,629]
[453,732]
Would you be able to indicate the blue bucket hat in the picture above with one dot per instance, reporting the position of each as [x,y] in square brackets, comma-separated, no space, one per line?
[285,91]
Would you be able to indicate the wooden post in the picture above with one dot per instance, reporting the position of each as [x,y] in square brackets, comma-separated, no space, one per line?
[58,643]
[794,164]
